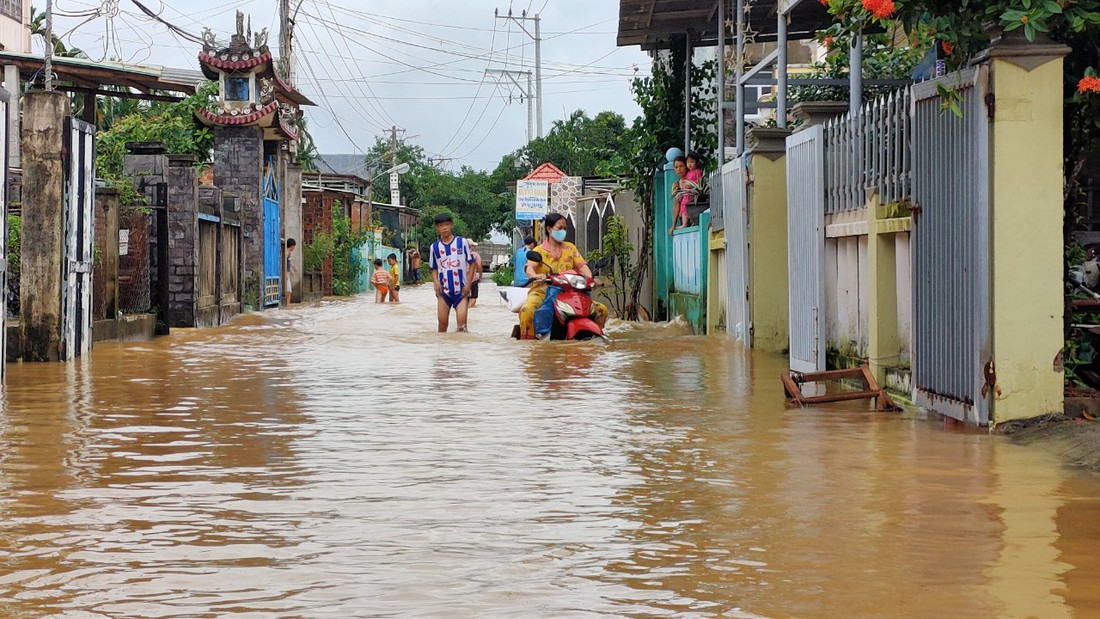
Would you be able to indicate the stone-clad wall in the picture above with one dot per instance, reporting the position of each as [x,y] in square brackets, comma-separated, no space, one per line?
[183,231]
[238,170]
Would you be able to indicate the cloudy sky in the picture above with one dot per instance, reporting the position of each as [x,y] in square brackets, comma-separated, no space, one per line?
[417,64]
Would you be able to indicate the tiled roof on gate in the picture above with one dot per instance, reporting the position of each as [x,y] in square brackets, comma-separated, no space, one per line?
[546,172]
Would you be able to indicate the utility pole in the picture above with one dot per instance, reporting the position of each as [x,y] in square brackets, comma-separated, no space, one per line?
[524,93]
[536,36]
[286,37]
[48,67]
[395,178]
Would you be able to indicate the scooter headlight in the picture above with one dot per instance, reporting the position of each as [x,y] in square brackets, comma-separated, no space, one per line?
[578,281]
[564,308]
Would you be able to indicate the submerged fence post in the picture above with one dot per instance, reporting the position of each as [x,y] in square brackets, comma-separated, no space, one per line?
[43,244]
[1024,371]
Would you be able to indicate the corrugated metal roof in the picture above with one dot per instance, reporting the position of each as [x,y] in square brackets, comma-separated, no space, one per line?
[102,73]
[658,24]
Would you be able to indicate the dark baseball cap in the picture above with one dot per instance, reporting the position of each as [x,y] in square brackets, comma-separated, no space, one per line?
[443,218]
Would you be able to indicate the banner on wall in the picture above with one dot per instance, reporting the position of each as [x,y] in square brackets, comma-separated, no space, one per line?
[532,200]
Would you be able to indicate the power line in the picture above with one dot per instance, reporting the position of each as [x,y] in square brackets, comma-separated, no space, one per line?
[466,116]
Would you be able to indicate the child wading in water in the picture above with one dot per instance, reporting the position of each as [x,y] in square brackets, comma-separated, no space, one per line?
[452,265]
[395,278]
[690,171]
[381,281]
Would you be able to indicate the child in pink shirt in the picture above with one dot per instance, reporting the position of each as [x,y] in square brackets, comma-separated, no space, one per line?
[690,171]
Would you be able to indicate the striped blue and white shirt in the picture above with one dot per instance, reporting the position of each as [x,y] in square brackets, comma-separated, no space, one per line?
[451,260]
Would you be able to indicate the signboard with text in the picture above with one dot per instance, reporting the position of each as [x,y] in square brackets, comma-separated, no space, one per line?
[532,200]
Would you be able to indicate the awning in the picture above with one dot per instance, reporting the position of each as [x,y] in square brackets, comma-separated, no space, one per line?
[655,24]
[90,76]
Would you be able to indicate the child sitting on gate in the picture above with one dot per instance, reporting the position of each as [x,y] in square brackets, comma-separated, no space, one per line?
[381,281]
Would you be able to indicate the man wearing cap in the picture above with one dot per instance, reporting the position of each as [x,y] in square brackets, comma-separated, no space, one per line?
[452,265]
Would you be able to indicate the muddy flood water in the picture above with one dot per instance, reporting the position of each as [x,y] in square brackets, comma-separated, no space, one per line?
[344,460]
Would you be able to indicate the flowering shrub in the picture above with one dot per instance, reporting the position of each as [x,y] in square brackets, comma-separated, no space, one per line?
[1089,83]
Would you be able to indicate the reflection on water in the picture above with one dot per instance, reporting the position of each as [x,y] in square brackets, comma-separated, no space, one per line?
[347,461]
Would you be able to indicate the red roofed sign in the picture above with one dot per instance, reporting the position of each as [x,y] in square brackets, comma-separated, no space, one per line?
[546,172]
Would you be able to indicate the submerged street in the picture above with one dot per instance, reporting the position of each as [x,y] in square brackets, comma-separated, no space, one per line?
[347,461]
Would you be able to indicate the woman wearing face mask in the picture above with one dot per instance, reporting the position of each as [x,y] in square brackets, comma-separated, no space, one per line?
[537,316]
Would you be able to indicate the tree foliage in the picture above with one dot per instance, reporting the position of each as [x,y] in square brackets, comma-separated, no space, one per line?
[658,128]
[578,145]
[173,124]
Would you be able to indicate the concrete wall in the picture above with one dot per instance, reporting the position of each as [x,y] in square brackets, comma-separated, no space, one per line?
[43,224]
[768,244]
[15,36]
[1026,220]
[850,292]
[105,268]
[238,170]
[292,226]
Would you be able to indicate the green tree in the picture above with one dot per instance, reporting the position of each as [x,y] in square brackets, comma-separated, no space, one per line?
[658,128]
[577,144]
[469,194]
[425,232]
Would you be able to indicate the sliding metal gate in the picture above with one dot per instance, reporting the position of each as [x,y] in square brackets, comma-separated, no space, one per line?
[951,289]
[806,248]
[76,291]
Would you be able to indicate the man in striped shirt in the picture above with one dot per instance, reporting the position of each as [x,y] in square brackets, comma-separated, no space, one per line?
[452,265]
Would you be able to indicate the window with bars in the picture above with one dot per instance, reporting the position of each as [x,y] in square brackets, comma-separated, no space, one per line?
[12,9]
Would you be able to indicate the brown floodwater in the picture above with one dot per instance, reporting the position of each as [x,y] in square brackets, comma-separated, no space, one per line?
[344,460]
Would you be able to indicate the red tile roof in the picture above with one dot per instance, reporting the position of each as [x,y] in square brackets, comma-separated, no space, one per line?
[245,119]
[546,172]
[235,65]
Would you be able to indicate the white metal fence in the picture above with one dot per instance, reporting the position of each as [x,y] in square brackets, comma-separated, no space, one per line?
[951,289]
[806,249]
[871,150]
[735,216]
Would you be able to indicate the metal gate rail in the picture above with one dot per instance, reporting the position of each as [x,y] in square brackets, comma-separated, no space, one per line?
[951,290]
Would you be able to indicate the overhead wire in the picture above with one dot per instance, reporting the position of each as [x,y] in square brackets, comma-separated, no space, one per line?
[484,74]
[383,112]
[368,113]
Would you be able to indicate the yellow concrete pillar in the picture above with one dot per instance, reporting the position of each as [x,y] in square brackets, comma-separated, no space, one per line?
[1026,220]
[768,238]
[716,301]
[883,340]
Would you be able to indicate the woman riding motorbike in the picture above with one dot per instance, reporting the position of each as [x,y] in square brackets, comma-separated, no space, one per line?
[537,316]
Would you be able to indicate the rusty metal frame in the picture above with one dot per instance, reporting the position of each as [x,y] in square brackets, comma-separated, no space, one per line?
[793,381]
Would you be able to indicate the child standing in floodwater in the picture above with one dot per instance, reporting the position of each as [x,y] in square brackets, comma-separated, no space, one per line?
[381,281]
[395,279]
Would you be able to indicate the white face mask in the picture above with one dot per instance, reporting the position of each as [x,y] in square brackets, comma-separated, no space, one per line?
[559,235]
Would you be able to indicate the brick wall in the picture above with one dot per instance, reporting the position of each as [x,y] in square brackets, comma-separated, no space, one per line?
[238,170]
[317,219]
[183,230]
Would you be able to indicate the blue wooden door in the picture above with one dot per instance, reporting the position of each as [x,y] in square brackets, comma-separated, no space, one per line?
[273,251]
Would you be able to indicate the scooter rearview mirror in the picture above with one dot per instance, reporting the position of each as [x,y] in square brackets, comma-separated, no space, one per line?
[534,256]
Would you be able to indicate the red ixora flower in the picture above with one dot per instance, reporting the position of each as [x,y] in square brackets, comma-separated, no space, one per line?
[1088,84]
[948,47]
[880,9]
[828,41]
[824,2]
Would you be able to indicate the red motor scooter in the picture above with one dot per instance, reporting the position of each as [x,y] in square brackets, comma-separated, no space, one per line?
[572,306]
